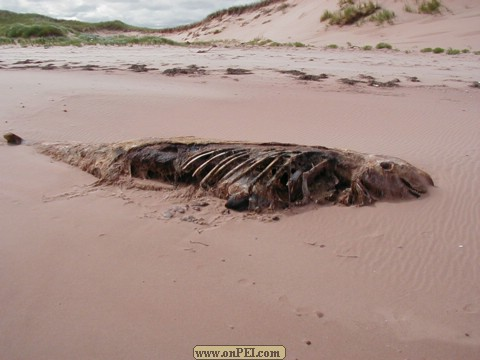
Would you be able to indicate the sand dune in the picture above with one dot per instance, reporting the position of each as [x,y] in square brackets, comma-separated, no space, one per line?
[105,272]
[299,20]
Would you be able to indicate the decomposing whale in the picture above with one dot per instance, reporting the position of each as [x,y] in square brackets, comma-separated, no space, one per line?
[249,176]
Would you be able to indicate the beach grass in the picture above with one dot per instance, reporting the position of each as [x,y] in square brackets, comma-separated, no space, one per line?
[451,51]
[383,45]
[271,43]
[429,7]
[91,39]
[350,13]
[382,16]
[407,8]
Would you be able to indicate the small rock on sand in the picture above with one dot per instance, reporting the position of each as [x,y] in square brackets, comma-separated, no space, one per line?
[13,139]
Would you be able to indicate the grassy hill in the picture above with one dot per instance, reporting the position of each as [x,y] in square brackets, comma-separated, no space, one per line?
[36,29]
[15,25]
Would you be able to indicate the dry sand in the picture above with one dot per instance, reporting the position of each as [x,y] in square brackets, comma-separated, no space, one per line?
[101,273]
[456,25]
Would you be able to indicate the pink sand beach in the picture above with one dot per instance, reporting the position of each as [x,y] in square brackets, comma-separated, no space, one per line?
[99,272]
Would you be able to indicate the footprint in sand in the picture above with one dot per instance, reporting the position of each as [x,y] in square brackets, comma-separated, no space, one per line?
[471,308]
[307,311]
[301,310]
[245,282]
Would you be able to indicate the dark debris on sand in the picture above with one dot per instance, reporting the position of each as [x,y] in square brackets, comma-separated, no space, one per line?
[391,83]
[49,67]
[89,67]
[308,77]
[238,71]
[348,81]
[301,75]
[293,72]
[370,81]
[189,70]
[140,68]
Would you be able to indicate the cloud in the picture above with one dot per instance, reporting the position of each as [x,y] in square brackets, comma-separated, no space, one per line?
[150,13]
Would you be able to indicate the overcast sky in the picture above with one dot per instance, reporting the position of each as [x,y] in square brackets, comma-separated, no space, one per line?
[151,13]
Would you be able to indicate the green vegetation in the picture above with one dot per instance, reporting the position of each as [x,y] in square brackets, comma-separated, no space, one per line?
[451,51]
[283,7]
[429,7]
[268,42]
[383,45]
[332,46]
[30,31]
[327,14]
[31,25]
[408,8]
[297,44]
[343,3]
[351,12]
[6,41]
[367,47]
[34,29]
[477,52]
[425,7]
[127,40]
[382,16]
[86,39]
[242,9]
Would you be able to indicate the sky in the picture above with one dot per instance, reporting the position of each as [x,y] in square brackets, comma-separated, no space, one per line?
[149,13]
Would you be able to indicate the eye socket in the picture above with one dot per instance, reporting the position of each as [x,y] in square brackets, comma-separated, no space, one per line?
[386,165]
